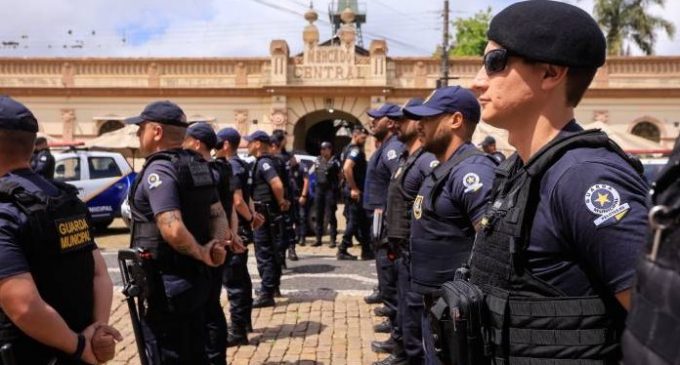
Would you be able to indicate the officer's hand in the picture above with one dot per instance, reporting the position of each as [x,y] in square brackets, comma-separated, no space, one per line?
[88,356]
[302,200]
[355,194]
[237,245]
[284,206]
[104,342]
[216,252]
[258,220]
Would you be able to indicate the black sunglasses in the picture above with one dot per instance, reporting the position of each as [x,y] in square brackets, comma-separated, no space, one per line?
[496,60]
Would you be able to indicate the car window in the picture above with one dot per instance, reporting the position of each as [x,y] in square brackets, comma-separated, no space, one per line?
[67,169]
[103,167]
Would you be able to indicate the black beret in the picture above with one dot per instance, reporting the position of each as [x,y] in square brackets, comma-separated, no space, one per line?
[15,116]
[551,32]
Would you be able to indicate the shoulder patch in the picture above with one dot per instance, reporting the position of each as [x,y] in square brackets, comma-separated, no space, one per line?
[354,153]
[434,164]
[43,158]
[605,202]
[266,166]
[391,155]
[154,181]
[472,182]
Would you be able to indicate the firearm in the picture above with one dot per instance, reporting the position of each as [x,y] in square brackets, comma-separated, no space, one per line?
[7,355]
[135,290]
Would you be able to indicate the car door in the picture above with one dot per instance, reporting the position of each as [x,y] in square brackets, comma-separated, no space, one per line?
[68,169]
[103,189]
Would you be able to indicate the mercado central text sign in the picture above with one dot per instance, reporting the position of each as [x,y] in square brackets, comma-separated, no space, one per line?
[329,63]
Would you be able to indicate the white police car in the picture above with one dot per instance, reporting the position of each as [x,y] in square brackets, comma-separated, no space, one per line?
[102,178]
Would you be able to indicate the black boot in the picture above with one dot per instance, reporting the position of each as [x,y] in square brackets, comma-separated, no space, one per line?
[237,337]
[384,347]
[264,300]
[373,298]
[383,327]
[316,244]
[393,359]
[332,244]
[382,311]
[344,255]
[292,255]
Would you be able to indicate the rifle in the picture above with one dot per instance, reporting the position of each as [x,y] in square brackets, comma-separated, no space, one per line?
[134,288]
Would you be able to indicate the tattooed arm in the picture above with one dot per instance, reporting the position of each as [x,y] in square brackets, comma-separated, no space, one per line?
[219,225]
[176,234]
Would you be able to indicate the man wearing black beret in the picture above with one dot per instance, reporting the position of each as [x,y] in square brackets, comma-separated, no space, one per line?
[556,251]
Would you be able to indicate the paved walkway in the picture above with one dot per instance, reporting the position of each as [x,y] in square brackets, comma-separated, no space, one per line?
[310,325]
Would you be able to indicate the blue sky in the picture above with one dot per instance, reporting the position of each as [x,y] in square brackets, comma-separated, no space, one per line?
[223,28]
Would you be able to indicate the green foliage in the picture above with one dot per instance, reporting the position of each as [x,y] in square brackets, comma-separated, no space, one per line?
[471,34]
[630,20]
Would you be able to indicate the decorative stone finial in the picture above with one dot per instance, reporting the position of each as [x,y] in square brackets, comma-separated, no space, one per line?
[311,15]
[348,15]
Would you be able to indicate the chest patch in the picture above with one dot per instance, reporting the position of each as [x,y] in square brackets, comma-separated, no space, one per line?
[391,155]
[74,232]
[418,207]
[605,202]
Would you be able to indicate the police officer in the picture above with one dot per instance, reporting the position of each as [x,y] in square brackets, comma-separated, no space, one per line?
[653,320]
[556,251]
[414,165]
[327,169]
[354,171]
[381,167]
[489,146]
[236,276]
[42,161]
[451,200]
[291,175]
[178,219]
[269,197]
[54,286]
[301,177]
[200,137]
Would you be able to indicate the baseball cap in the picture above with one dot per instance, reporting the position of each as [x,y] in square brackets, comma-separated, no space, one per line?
[230,135]
[386,110]
[15,116]
[164,112]
[487,141]
[359,128]
[411,103]
[447,100]
[326,144]
[258,136]
[203,132]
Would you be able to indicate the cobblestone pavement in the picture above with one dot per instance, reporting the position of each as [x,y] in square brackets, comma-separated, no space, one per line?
[306,327]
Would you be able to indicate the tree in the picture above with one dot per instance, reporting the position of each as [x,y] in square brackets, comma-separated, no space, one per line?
[471,34]
[630,20]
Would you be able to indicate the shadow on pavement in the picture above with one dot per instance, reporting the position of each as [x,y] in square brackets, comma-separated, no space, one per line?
[311,269]
[298,330]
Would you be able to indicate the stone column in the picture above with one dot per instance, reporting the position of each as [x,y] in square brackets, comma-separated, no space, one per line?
[68,118]
[279,52]
[378,52]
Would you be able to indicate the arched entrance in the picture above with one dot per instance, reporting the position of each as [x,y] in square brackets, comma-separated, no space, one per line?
[313,128]
[110,126]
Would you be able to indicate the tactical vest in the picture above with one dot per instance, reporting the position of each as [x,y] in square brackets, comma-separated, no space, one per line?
[400,202]
[434,262]
[530,321]
[653,323]
[58,244]
[196,188]
[246,184]
[223,169]
[261,190]
[359,168]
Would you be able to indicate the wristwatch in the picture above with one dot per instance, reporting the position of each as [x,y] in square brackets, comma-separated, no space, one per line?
[80,348]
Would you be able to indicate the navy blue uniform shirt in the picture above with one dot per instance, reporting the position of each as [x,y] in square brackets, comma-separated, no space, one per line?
[417,173]
[571,232]
[43,163]
[158,191]
[461,202]
[266,169]
[13,222]
[240,170]
[356,154]
[381,167]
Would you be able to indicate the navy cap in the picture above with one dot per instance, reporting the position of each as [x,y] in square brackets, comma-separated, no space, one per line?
[203,132]
[386,110]
[447,100]
[488,140]
[411,103]
[164,112]
[326,144]
[258,136]
[14,116]
[359,128]
[551,32]
[230,135]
